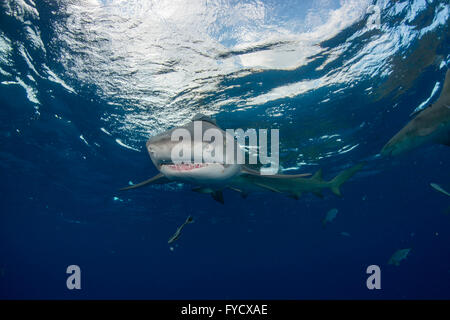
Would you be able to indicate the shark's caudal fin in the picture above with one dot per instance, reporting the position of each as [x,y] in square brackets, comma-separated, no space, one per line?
[159,178]
[342,177]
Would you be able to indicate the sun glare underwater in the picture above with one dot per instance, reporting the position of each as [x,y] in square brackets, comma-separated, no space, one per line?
[85,84]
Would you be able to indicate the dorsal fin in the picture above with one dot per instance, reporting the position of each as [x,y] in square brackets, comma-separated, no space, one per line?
[202,117]
[318,175]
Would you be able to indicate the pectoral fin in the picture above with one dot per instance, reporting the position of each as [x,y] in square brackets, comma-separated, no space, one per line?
[243,193]
[159,178]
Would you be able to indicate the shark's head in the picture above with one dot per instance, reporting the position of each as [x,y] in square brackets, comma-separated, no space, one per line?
[430,125]
[395,146]
[410,137]
[182,154]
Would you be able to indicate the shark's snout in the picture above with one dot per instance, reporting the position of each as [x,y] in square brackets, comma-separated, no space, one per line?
[401,143]
[389,150]
[158,152]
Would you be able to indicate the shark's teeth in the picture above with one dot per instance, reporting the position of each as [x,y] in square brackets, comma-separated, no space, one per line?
[186,166]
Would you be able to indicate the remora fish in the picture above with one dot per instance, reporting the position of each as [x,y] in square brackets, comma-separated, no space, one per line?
[432,125]
[213,177]
[330,216]
[398,256]
[439,188]
[177,233]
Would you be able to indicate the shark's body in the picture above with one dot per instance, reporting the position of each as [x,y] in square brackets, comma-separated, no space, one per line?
[432,125]
[213,178]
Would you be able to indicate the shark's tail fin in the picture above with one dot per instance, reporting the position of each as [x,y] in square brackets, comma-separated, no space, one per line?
[336,183]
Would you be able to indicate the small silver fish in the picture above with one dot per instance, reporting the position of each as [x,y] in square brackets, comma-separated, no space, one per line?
[177,233]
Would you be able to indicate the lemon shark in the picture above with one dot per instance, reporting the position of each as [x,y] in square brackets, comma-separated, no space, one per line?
[432,125]
[212,177]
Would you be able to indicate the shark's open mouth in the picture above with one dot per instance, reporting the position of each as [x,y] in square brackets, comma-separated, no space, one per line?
[200,172]
[185,166]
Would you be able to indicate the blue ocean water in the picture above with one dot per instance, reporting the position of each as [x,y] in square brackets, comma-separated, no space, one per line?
[84,84]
